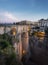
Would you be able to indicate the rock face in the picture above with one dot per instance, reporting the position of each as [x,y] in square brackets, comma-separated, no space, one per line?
[25,44]
[1,30]
[22,45]
[39,51]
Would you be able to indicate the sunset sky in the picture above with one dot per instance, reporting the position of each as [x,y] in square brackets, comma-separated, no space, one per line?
[16,10]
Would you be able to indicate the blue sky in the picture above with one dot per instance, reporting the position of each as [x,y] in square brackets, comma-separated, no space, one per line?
[16,10]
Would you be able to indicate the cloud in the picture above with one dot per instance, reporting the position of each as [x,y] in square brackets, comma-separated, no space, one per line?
[6,17]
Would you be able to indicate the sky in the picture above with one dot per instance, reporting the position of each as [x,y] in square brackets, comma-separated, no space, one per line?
[17,10]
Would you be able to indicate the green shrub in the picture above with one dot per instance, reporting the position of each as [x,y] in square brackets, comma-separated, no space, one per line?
[4,44]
